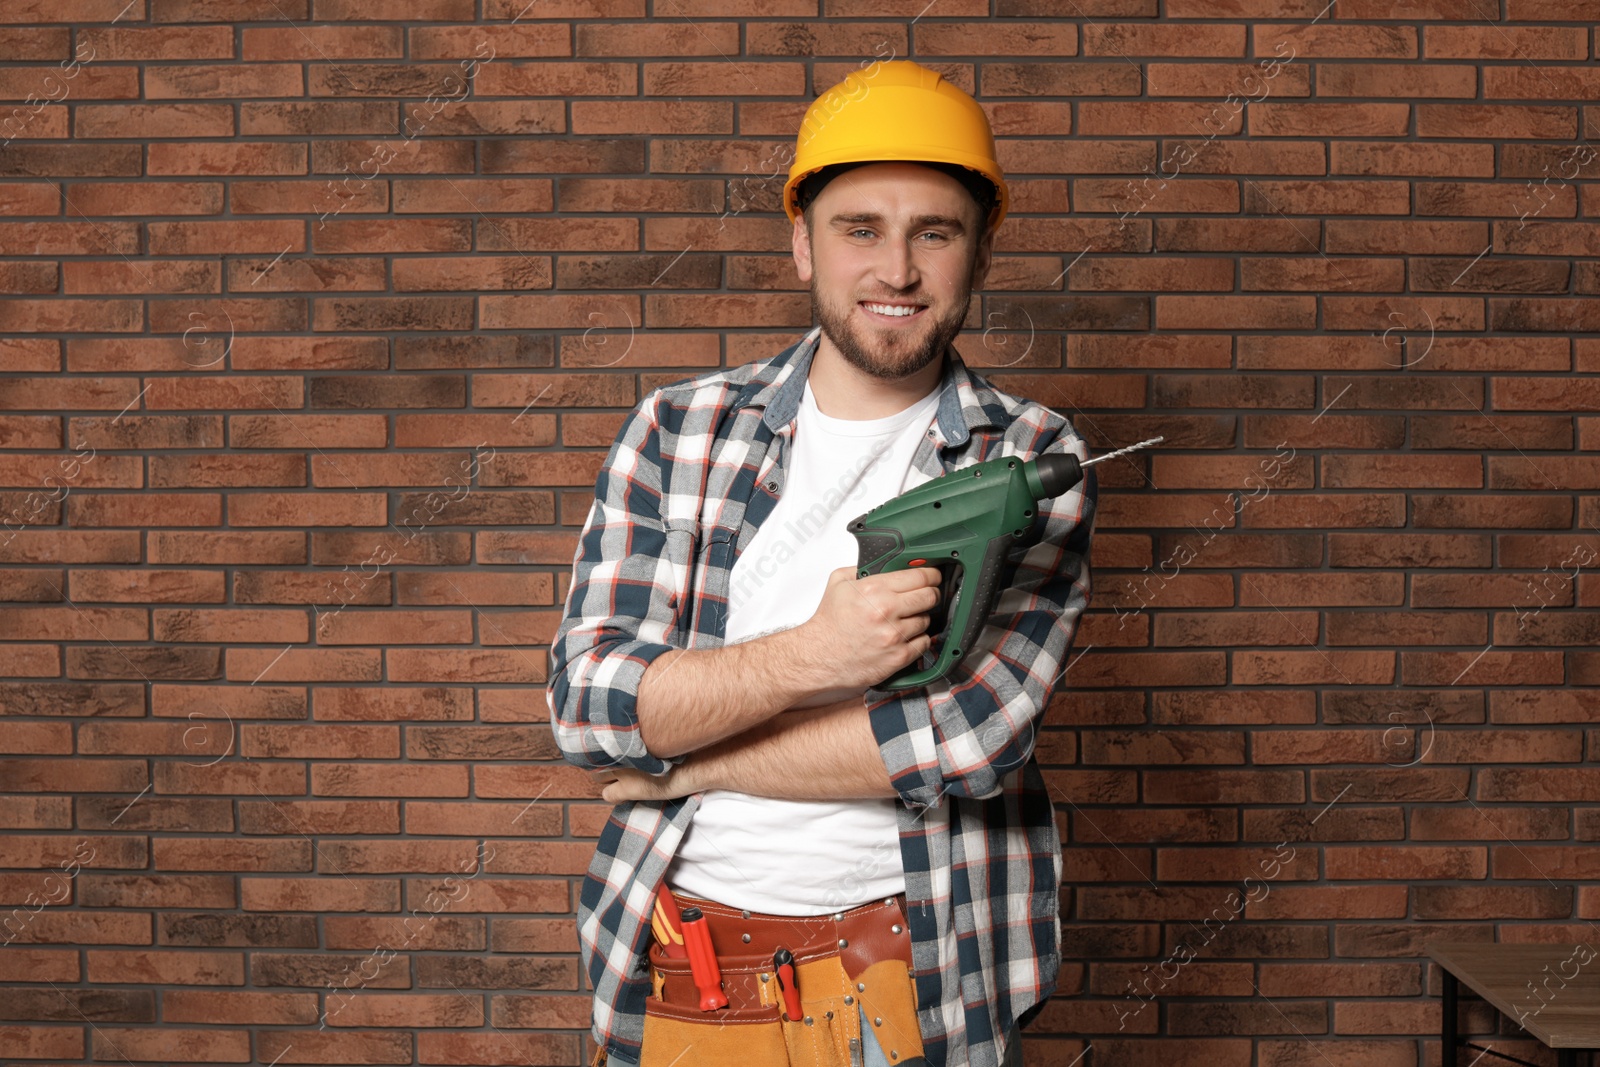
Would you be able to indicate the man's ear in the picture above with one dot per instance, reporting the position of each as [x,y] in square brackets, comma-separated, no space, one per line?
[800,241]
[985,258]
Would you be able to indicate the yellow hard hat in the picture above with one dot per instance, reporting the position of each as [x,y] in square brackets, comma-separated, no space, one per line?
[895,110]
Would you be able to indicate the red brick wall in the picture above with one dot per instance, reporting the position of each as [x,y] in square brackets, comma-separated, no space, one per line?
[316,329]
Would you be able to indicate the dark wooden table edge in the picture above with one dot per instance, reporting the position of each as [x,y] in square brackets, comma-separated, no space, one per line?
[1451,1043]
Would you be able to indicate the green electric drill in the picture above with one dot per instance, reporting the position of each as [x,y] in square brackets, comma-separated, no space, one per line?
[969,517]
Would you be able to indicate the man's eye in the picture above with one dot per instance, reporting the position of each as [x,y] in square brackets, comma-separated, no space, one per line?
[859,229]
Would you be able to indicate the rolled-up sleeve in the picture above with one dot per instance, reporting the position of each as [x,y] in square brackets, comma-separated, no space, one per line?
[962,734]
[621,608]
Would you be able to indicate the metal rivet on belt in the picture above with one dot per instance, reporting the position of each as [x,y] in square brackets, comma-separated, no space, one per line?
[848,999]
[747,913]
[745,938]
[838,916]
[827,1015]
[861,987]
[843,943]
[877,1021]
[763,978]
[895,929]
[808,1020]
[893,1055]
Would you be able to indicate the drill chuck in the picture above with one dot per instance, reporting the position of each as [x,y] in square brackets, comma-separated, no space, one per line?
[1055,472]
[1058,472]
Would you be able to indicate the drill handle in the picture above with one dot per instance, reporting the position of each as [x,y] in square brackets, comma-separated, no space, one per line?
[965,617]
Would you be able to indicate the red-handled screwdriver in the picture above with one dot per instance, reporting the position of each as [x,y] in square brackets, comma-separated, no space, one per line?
[783,964]
[702,960]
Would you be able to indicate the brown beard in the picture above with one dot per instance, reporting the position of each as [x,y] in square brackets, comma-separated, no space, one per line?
[898,357]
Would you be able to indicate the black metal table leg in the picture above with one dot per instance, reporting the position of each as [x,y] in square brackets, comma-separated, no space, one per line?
[1450,1043]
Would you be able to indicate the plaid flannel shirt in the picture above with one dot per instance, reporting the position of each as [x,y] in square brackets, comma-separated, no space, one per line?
[693,472]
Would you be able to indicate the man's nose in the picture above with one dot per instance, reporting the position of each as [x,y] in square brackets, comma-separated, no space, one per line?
[897,265]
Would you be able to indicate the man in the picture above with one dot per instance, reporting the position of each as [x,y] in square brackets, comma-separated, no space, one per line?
[718,661]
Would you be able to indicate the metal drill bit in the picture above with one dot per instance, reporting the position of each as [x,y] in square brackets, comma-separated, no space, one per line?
[1120,452]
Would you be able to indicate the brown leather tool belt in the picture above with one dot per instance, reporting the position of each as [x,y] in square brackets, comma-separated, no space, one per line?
[850,981]
[745,941]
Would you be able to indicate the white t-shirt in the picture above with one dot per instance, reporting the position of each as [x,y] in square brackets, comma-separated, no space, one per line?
[790,857]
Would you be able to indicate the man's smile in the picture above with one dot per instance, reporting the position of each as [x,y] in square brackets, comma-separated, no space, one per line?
[892,312]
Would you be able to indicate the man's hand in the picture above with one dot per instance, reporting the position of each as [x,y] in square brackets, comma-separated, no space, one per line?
[868,628]
[625,783]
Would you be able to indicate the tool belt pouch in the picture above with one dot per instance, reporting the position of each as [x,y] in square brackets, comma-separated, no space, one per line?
[734,1036]
[755,1029]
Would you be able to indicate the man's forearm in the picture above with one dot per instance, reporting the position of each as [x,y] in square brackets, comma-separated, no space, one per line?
[861,632]
[823,753]
[692,698]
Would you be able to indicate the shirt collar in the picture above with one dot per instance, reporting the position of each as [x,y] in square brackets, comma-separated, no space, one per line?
[966,402]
